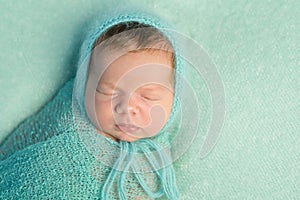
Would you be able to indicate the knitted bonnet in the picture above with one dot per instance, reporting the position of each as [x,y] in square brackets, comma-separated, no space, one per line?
[144,158]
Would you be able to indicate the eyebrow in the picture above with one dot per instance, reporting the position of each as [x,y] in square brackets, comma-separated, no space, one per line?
[147,87]
[108,84]
[153,87]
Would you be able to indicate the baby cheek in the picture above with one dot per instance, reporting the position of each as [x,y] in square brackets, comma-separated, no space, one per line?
[152,118]
[145,118]
[103,110]
[158,118]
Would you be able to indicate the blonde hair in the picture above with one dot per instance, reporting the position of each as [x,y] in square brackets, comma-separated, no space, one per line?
[143,37]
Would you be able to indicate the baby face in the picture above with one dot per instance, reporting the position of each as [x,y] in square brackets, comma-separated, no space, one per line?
[134,96]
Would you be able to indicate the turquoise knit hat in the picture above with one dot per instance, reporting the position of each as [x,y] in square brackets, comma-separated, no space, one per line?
[100,24]
[130,155]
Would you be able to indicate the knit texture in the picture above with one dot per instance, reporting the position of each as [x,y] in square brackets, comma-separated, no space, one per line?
[38,162]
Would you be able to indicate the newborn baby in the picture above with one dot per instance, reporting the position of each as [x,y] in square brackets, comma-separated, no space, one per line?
[134,93]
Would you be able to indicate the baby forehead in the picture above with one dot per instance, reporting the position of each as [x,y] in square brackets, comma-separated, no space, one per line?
[108,56]
[151,75]
[147,87]
[141,62]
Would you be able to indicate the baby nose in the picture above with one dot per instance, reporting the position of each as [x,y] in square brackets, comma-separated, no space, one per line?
[129,105]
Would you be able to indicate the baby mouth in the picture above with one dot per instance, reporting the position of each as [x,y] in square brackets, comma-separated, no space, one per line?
[129,128]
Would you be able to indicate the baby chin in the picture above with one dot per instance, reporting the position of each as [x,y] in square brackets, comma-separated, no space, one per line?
[125,132]
[128,132]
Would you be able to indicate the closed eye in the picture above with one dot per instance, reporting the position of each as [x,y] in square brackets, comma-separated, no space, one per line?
[113,94]
[151,98]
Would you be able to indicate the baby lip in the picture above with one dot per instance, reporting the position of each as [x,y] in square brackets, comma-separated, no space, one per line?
[127,127]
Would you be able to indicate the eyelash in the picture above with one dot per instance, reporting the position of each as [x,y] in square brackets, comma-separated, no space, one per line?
[107,94]
[117,94]
[149,98]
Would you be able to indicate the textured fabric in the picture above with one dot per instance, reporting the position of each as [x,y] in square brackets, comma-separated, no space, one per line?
[56,165]
[255,45]
[41,127]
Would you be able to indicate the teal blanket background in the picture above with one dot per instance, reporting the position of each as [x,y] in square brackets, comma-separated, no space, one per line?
[255,46]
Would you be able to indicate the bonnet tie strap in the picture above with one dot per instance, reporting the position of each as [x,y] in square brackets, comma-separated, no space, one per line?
[157,158]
